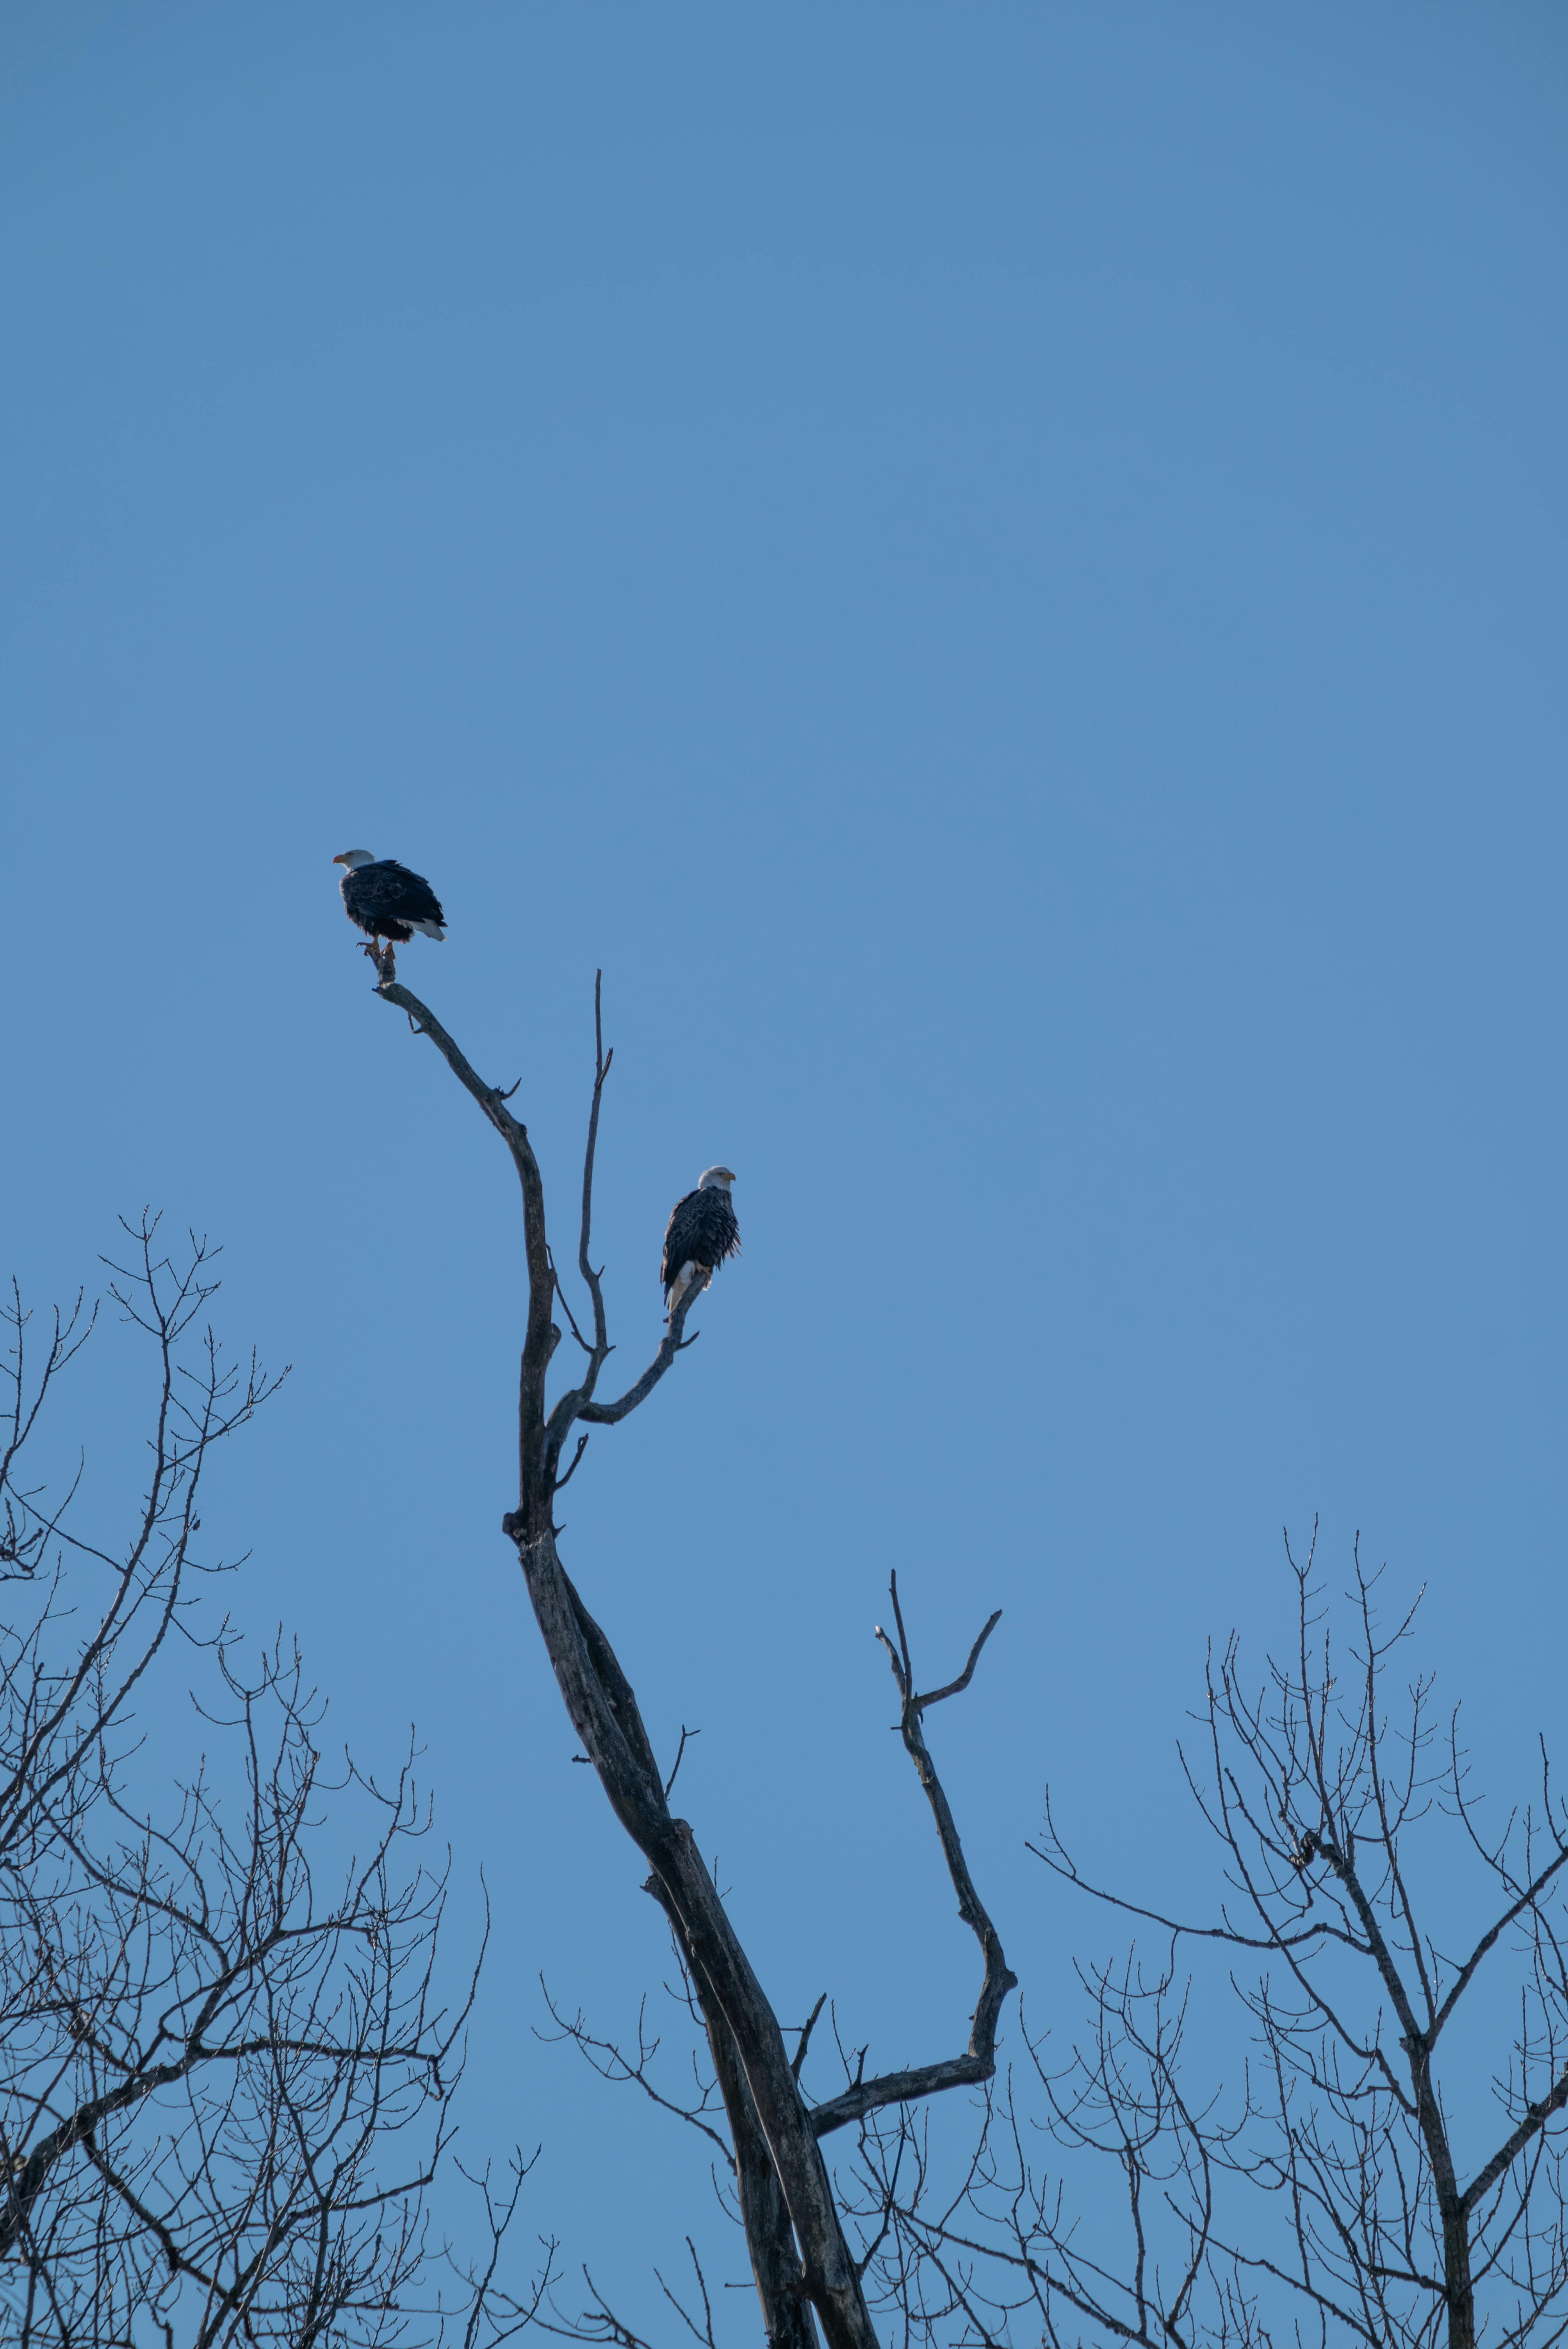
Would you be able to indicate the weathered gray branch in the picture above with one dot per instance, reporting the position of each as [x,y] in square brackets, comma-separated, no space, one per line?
[605,1414]
[577,1403]
[538,1343]
[978,2062]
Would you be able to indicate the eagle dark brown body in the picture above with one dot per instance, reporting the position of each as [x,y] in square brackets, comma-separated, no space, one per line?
[702,1231]
[387,901]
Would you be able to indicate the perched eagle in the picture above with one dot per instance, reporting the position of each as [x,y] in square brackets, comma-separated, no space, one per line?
[702,1231]
[388,901]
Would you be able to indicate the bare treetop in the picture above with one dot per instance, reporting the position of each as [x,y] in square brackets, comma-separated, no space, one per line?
[801,2259]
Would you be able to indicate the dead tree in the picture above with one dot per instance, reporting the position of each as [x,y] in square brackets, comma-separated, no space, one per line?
[226,2073]
[801,2258]
[1365,2179]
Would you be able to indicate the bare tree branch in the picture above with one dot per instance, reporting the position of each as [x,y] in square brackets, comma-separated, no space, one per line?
[978,2062]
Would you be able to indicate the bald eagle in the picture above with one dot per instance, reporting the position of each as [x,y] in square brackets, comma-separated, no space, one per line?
[387,902]
[702,1231]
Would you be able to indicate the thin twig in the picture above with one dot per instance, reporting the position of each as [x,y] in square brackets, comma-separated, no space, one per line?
[806,2030]
[680,1750]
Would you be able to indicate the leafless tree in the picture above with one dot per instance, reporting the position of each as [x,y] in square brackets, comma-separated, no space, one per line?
[1354,2179]
[806,2268]
[1365,2182]
[227,2064]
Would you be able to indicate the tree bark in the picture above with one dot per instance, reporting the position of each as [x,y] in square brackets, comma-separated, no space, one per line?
[604,1711]
[769,2238]
[1457,2278]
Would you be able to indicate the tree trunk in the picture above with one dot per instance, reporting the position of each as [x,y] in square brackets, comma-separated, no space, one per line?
[604,1711]
[769,2239]
[1457,2277]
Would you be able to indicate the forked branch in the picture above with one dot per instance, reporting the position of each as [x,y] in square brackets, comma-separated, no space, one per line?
[541,1440]
[978,2062]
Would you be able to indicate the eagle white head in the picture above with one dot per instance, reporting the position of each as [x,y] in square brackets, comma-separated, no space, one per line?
[715,1178]
[354,858]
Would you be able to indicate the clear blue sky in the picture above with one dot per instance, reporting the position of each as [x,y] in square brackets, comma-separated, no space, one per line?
[1002,570]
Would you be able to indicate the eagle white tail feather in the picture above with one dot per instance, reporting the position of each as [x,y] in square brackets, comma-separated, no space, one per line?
[683,1281]
[430,930]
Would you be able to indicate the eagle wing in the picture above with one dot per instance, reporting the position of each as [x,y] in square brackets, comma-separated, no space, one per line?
[388,888]
[679,1232]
